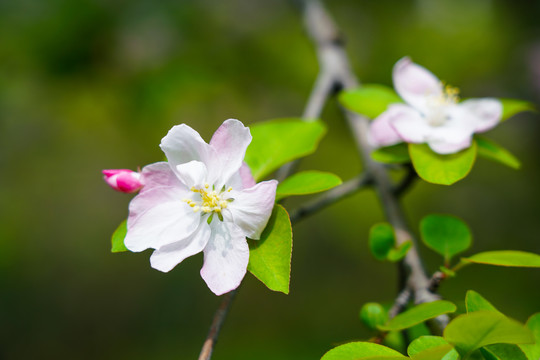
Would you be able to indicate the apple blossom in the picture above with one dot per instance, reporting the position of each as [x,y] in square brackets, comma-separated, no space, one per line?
[431,113]
[203,198]
[123,180]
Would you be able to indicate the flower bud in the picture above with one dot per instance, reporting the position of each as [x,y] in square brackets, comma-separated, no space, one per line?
[123,180]
[372,315]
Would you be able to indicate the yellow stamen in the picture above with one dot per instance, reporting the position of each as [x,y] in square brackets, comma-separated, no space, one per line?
[211,200]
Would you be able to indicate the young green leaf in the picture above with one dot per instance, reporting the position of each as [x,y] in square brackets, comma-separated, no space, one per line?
[503,352]
[481,328]
[512,107]
[307,182]
[415,331]
[446,271]
[510,258]
[395,154]
[362,351]
[424,343]
[276,142]
[532,351]
[118,236]
[270,257]
[395,340]
[381,240]
[492,151]
[443,352]
[418,314]
[369,100]
[442,169]
[396,254]
[373,314]
[475,302]
[445,234]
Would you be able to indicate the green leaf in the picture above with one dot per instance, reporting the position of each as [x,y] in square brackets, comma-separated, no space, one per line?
[373,314]
[480,328]
[395,340]
[118,236]
[532,351]
[475,302]
[443,352]
[362,351]
[396,254]
[512,106]
[511,258]
[276,142]
[418,330]
[424,343]
[270,257]
[418,314]
[503,352]
[307,182]
[381,240]
[445,234]
[442,169]
[492,151]
[369,100]
[395,154]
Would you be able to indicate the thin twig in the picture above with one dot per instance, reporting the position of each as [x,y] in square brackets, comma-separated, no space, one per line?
[322,89]
[400,303]
[330,197]
[217,322]
[334,61]
[436,279]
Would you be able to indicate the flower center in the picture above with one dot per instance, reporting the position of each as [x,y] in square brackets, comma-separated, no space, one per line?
[437,115]
[450,95]
[212,201]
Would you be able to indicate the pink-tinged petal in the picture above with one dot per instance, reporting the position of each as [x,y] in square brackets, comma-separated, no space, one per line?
[381,131]
[167,257]
[230,141]
[410,125]
[246,175]
[487,112]
[159,174]
[415,84]
[443,148]
[252,208]
[129,182]
[226,257]
[182,144]
[242,179]
[192,173]
[158,217]
[111,172]
[123,180]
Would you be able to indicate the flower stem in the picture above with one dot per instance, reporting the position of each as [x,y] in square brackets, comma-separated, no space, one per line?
[217,322]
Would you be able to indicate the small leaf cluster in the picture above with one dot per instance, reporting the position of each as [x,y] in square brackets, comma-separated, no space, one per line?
[482,332]
[448,236]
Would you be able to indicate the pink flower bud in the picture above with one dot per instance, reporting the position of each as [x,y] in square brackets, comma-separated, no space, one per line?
[123,180]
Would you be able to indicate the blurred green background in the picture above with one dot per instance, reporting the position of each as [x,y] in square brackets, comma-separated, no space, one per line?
[93,84]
